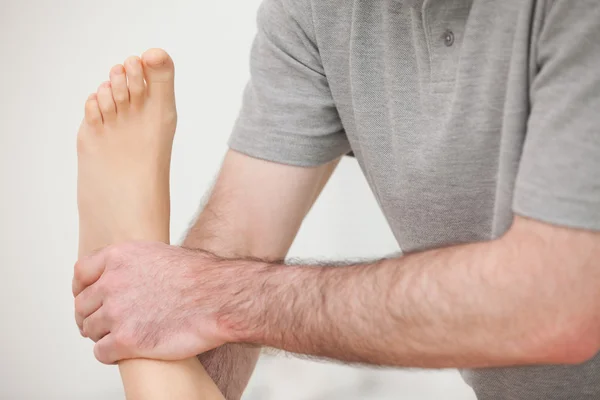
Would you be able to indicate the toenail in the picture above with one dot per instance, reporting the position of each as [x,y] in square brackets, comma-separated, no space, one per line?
[118,70]
[134,62]
[156,62]
[106,84]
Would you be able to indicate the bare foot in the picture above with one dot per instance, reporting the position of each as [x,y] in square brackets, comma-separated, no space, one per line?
[124,149]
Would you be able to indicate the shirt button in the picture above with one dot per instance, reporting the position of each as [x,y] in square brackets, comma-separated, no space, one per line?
[448,38]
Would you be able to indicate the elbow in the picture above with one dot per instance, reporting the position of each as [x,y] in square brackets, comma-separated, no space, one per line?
[566,343]
[559,277]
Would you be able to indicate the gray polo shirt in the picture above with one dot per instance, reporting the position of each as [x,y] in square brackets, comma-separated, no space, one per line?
[460,113]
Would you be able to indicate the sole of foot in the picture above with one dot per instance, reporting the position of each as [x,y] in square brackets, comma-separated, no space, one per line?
[124,153]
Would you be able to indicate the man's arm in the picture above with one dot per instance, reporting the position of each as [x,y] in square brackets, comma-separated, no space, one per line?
[255,210]
[530,297]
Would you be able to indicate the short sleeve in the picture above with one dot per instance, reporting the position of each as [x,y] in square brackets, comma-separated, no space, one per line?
[288,114]
[559,173]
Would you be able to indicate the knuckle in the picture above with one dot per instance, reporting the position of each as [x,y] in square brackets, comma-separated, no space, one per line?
[79,323]
[78,305]
[108,290]
[113,257]
[104,286]
[96,338]
[119,255]
[111,312]
[100,288]
[86,327]
[114,253]
[78,270]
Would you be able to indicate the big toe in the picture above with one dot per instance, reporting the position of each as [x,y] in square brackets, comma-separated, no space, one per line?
[159,72]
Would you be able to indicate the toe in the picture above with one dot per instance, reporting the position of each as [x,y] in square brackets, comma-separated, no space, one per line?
[159,72]
[106,102]
[135,79]
[92,111]
[118,82]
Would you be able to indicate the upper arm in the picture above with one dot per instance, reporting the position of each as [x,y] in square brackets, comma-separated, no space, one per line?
[256,207]
[286,142]
[573,251]
[288,112]
[558,184]
[559,173]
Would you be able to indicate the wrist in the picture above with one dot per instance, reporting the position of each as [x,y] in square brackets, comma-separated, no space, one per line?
[276,306]
[241,313]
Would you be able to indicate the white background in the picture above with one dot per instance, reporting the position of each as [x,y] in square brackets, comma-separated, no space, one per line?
[52,55]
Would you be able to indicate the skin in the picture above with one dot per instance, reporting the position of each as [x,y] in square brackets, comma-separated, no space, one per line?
[523,299]
[225,227]
[124,153]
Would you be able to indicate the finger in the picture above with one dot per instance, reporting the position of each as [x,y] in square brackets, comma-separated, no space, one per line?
[87,271]
[87,302]
[96,326]
[108,351]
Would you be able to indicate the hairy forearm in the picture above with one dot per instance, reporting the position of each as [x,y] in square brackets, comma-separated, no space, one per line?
[230,366]
[255,210]
[465,306]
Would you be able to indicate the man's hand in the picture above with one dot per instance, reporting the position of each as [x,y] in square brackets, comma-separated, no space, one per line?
[154,301]
[254,210]
[150,300]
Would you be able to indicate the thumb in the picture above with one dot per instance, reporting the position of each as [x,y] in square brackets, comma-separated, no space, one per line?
[108,351]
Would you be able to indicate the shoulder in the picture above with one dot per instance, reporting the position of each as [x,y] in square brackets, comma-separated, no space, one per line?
[280,10]
[306,15]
